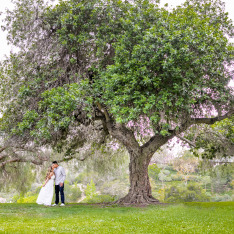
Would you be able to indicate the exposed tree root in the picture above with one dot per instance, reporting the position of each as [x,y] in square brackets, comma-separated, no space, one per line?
[137,199]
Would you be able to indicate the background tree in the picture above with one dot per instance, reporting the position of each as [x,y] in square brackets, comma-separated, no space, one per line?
[90,191]
[186,165]
[206,180]
[86,68]
[164,175]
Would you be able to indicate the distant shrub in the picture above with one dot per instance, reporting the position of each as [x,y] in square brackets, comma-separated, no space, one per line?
[154,170]
[165,176]
[15,198]
[194,178]
[73,193]
[222,198]
[80,178]
[168,179]
[208,194]
[166,172]
[99,199]
[170,168]
[159,194]
[177,177]
[191,193]
[30,199]
[115,188]
[232,184]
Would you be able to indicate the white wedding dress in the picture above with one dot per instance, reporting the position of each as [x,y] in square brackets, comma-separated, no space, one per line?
[46,194]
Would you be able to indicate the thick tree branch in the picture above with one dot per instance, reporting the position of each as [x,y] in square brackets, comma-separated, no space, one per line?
[2,149]
[155,142]
[20,160]
[158,140]
[14,155]
[38,161]
[187,141]
[212,120]
[123,135]
[190,121]
[3,156]
[104,111]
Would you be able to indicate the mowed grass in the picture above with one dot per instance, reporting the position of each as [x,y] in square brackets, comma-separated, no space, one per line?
[75,218]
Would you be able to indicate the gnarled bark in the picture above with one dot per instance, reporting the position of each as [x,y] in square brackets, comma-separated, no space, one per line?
[140,189]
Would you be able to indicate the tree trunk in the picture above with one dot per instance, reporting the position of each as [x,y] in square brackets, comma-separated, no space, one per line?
[140,189]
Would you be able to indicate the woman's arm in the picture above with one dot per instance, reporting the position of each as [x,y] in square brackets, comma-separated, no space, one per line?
[52,173]
[45,182]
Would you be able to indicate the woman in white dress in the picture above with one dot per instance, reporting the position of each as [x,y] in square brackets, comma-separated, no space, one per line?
[46,194]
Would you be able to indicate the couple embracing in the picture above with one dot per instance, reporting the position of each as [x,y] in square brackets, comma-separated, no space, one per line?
[55,174]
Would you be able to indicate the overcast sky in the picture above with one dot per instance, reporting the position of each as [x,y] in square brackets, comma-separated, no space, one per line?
[5,49]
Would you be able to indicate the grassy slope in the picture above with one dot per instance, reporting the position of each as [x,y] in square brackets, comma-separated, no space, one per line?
[181,218]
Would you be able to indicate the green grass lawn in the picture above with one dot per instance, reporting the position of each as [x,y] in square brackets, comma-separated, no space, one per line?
[76,218]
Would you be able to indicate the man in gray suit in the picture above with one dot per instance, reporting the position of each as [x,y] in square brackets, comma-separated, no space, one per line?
[60,176]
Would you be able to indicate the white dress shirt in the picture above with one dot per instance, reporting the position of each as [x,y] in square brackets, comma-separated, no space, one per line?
[60,175]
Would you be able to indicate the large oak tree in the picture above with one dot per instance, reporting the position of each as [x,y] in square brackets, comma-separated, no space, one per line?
[90,70]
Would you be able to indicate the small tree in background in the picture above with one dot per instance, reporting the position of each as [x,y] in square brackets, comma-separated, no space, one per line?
[185,166]
[90,190]
[206,180]
[163,176]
